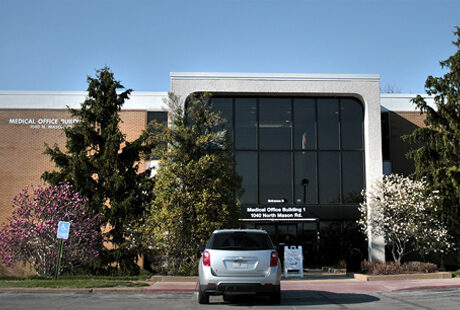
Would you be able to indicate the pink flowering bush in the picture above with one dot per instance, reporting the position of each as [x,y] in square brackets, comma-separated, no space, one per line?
[30,234]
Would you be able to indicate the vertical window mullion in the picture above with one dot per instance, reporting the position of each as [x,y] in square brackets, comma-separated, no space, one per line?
[317,153]
[340,153]
[292,154]
[257,152]
[233,123]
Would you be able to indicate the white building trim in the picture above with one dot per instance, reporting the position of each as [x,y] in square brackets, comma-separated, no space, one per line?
[150,101]
[402,102]
[364,87]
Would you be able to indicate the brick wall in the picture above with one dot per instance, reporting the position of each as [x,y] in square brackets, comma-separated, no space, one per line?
[22,139]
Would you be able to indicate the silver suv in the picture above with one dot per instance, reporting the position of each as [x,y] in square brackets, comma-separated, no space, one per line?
[239,261]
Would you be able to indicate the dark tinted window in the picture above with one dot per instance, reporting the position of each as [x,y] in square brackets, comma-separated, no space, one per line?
[298,150]
[225,107]
[328,123]
[275,122]
[352,176]
[160,117]
[329,177]
[275,177]
[304,124]
[385,135]
[245,123]
[351,122]
[305,178]
[246,167]
[240,240]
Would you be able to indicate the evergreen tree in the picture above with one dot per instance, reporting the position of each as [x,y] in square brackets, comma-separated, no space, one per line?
[439,157]
[103,166]
[196,187]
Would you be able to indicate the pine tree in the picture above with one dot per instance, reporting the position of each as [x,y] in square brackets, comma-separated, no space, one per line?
[439,157]
[103,166]
[196,187]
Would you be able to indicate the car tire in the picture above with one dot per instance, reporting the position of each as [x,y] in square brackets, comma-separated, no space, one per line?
[276,297]
[203,297]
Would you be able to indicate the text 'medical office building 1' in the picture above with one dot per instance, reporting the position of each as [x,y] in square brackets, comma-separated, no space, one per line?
[305,144]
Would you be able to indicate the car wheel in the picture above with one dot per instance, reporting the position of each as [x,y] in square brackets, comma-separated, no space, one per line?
[203,297]
[276,297]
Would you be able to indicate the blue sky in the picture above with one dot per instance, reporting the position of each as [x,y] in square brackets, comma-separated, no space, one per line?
[54,45]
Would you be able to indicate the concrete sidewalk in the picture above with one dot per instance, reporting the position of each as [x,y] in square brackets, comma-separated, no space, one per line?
[345,285]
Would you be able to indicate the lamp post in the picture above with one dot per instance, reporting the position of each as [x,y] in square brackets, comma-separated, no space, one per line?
[304,184]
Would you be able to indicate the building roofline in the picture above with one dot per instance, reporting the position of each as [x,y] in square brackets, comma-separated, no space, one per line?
[36,99]
[72,93]
[402,102]
[272,76]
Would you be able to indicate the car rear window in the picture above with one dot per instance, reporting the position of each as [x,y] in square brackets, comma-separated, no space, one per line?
[240,240]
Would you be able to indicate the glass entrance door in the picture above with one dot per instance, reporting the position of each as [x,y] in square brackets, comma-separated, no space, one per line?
[294,234]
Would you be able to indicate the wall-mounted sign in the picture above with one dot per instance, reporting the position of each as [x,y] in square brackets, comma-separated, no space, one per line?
[273,213]
[272,200]
[44,123]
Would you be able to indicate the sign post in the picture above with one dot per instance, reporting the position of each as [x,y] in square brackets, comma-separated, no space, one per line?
[62,233]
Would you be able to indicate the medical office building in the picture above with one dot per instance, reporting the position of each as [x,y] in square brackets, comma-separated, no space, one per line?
[305,145]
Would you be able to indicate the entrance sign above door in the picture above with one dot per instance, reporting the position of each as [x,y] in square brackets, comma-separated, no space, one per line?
[273,213]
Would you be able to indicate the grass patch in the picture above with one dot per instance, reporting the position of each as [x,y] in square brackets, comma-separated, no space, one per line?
[69,283]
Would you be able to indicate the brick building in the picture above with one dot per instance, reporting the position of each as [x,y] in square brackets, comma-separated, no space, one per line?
[281,111]
[29,119]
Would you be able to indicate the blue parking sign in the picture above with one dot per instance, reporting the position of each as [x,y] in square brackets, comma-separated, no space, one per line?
[63,230]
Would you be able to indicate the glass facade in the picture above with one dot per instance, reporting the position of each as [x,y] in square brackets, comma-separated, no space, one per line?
[304,154]
[160,117]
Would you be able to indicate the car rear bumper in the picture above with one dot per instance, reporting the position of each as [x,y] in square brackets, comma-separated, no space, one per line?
[238,288]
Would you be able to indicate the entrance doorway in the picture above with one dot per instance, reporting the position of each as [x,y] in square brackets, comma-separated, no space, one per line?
[304,233]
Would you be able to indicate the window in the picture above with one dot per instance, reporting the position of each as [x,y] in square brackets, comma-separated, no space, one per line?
[328,124]
[225,107]
[246,167]
[245,123]
[240,240]
[329,177]
[160,117]
[275,181]
[386,135]
[304,124]
[351,124]
[352,176]
[275,122]
[305,178]
[297,150]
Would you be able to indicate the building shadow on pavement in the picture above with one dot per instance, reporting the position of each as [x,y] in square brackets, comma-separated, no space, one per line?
[301,298]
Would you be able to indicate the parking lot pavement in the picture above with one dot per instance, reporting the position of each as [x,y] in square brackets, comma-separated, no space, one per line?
[164,286]
[355,286]
[291,300]
[332,286]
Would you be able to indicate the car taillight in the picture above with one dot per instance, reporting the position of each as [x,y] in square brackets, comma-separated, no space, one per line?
[206,259]
[273,259]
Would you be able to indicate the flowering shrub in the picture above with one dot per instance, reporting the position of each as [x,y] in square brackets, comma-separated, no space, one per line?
[375,268]
[402,211]
[30,234]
